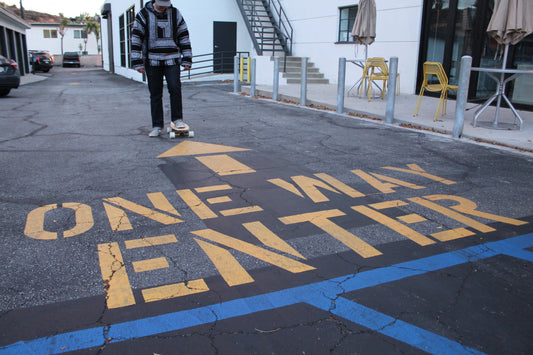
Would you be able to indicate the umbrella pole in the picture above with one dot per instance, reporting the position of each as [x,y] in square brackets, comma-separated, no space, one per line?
[501,87]
[366,57]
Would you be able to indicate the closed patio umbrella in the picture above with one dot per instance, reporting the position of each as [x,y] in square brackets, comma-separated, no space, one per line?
[364,28]
[511,21]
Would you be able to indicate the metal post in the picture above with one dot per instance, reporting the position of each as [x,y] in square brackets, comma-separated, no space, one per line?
[341,85]
[248,70]
[462,95]
[236,83]
[242,68]
[252,92]
[275,87]
[391,95]
[303,89]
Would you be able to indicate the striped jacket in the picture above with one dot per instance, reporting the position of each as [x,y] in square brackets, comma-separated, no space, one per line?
[160,39]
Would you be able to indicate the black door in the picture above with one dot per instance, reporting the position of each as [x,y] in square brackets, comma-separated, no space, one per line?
[224,46]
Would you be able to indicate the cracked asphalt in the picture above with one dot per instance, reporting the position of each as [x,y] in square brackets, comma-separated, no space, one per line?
[276,230]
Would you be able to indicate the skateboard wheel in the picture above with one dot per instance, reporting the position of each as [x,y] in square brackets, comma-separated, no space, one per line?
[172,135]
[191,134]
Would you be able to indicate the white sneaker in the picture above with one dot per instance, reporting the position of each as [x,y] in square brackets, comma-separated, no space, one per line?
[178,124]
[155,132]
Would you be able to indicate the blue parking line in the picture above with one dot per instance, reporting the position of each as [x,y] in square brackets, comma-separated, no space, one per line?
[324,295]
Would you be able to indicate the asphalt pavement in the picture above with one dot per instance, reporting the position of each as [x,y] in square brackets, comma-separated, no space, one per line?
[276,229]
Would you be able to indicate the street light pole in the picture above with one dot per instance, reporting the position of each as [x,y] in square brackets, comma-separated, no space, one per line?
[21,10]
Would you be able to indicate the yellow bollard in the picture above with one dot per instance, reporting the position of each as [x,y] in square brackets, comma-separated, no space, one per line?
[242,68]
[248,67]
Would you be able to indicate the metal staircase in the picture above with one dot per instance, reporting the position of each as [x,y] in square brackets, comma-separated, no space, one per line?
[268,26]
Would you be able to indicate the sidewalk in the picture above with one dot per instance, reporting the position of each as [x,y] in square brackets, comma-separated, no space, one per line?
[325,96]
[32,78]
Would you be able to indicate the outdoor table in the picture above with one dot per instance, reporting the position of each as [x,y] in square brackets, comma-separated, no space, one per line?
[361,64]
[502,81]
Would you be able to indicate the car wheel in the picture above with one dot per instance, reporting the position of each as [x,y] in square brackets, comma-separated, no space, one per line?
[4,92]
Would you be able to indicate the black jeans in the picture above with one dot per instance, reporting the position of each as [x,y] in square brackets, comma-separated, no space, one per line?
[155,85]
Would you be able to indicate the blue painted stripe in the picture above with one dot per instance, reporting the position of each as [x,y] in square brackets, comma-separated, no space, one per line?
[318,294]
[394,328]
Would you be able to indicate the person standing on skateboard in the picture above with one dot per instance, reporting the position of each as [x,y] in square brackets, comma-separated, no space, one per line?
[159,45]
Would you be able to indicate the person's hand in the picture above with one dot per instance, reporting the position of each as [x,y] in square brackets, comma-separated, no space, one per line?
[186,67]
[141,70]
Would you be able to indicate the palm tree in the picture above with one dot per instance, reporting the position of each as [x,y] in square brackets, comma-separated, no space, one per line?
[93,27]
[62,28]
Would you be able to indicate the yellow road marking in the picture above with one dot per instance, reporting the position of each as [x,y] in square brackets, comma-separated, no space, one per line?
[119,220]
[286,186]
[150,242]
[417,170]
[398,182]
[452,234]
[212,188]
[255,251]
[238,211]
[84,219]
[229,268]
[197,148]
[309,187]
[388,204]
[412,218]
[268,238]
[470,207]
[117,285]
[224,165]
[150,264]
[321,220]
[339,185]
[35,223]
[175,290]
[221,199]
[454,215]
[394,225]
[385,188]
[196,205]
[160,202]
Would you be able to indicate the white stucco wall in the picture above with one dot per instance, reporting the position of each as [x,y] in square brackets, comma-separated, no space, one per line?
[36,41]
[316,26]
[199,15]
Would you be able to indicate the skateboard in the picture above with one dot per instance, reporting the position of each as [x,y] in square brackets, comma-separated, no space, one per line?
[180,132]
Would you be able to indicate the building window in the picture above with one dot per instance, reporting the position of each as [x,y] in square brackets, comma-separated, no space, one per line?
[50,33]
[130,20]
[456,28]
[80,34]
[122,35]
[346,21]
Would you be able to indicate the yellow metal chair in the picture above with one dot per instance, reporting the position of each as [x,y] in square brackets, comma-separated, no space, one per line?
[435,69]
[375,69]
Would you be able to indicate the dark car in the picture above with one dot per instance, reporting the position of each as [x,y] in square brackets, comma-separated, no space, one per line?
[41,60]
[71,58]
[9,75]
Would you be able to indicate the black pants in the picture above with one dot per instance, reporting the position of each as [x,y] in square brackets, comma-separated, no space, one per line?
[155,85]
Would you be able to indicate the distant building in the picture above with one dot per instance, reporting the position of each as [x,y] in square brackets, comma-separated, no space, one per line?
[46,36]
[13,39]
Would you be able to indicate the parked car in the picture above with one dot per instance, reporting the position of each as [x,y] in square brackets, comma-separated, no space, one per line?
[41,60]
[9,75]
[71,58]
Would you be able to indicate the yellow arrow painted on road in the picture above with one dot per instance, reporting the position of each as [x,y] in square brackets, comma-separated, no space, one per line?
[197,148]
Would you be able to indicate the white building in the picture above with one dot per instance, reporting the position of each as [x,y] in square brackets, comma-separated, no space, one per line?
[206,19]
[46,36]
[415,31]
[13,39]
